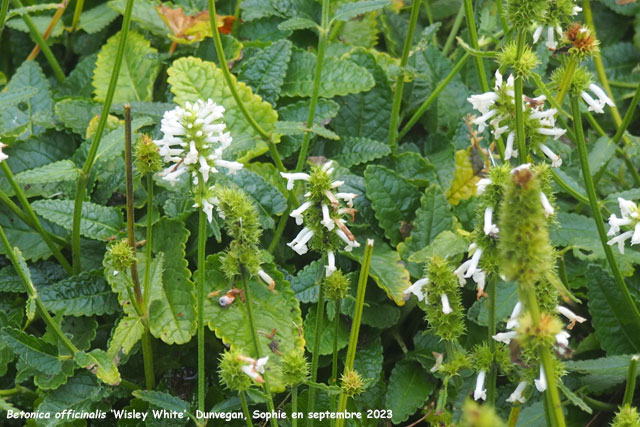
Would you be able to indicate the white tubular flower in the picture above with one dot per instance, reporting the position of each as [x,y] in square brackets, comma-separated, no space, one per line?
[484,101]
[480,392]
[509,152]
[480,278]
[254,368]
[554,132]
[602,96]
[620,239]
[518,393]
[194,141]
[594,105]
[292,177]
[541,382]
[267,279]
[482,185]
[299,244]
[416,289]
[556,161]
[3,156]
[551,42]
[482,120]
[576,10]
[573,318]
[439,357]
[505,337]
[330,268]
[630,217]
[297,214]
[446,308]
[261,363]
[490,229]
[635,239]
[475,259]
[562,339]
[207,208]
[537,33]
[513,323]
[615,223]
[351,243]
[627,208]
[326,218]
[548,209]
[347,197]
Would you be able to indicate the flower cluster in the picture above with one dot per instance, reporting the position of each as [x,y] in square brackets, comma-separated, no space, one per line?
[498,108]
[631,219]
[321,213]
[596,105]
[559,12]
[193,141]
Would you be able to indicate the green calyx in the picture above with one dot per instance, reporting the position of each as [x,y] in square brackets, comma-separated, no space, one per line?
[147,158]
[627,416]
[522,66]
[543,333]
[524,13]
[122,256]
[231,374]
[580,80]
[295,369]
[336,286]
[444,309]
[352,383]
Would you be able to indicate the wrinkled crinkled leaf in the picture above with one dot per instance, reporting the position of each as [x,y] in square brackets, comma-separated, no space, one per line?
[264,72]
[76,113]
[64,170]
[81,393]
[464,179]
[409,387]
[602,373]
[393,198]
[304,284]
[277,310]
[78,82]
[15,97]
[96,18]
[144,14]
[97,222]
[137,73]
[86,294]
[447,242]
[350,10]
[162,400]
[33,351]
[369,359]
[298,23]
[327,332]
[352,151]
[192,79]
[99,363]
[299,128]
[126,334]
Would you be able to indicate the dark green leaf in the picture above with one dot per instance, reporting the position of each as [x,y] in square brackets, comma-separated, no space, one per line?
[409,387]
[265,71]
[349,10]
[352,151]
[33,351]
[86,294]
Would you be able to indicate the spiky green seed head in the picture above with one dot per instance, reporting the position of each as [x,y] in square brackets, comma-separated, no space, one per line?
[352,383]
[580,80]
[122,255]
[295,369]
[444,309]
[482,357]
[522,14]
[532,334]
[627,416]
[230,371]
[147,158]
[475,415]
[523,66]
[336,286]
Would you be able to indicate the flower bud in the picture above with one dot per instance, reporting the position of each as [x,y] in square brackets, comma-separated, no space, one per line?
[231,374]
[147,158]
[627,416]
[336,286]
[122,256]
[352,383]
[295,369]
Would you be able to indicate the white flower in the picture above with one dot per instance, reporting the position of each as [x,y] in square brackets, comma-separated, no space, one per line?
[556,161]
[416,289]
[490,229]
[3,156]
[254,367]
[509,151]
[573,318]
[548,209]
[482,185]
[551,42]
[446,308]
[505,337]
[480,392]
[194,140]
[629,212]
[330,268]
[469,267]
[297,214]
[292,177]
[620,239]
[326,218]
[267,279]
[480,278]
[439,357]
[541,383]
[523,166]
[484,101]
[627,208]
[562,339]
[596,106]
[299,244]
[518,393]
[615,223]
[513,319]
[207,208]
[554,132]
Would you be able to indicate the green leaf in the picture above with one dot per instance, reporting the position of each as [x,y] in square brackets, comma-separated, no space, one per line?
[99,363]
[80,393]
[22,236]
[601,153]
[506,299]
[574,398]
[304,284]
[33,351]
[409,387]
[360,32]
[163,400]
[20,11]
[387,269]
[464,179]
[10,99]
[447,242]
[112,144]
[78,82]
[192,79]
[172,316]
[41,22]
[369,359]
[608,317]
[351,151]
[126,334]
[299,128]
[95,19]
[414,167]
[86,294]
[144,14]
[62,171]
[42,273]
[137,73]
[349,10]
[277,310]
[327,329]
[339,76]
[97,222]
[298,23]
[393,198]
[76,113]
[603,373]
[265,71]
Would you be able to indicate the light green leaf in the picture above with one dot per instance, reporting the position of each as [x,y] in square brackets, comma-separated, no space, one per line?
[62,171]
[351,151]
[387,269]
[298,111]
[304,284]
[192,79]
[464,179]
[86,294]
[76,113]
[264,72]
[600,153]
[277,310]
[19,11]
[22,236]
[137,73]
[99,363]
[574,398]
[393,198]
[603,373]
[339,76]
[172,316]
[95,19]
[40,21]
[6,406]
[299,128]
[414,167]
[349,10]
[409,387]
[112,145]
[126,334]
[33,351]
[298,23]
[447,242]
[97,222]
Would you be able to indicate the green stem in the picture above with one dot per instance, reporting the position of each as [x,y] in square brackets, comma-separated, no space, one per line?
[631,380]
[33,218]
[555,411]
[513,415]
[4,8]
[76,14]
[256,342]
[236,16]
[282,223]
[567,78]
[18,389]
[427,9]
[520,135]
[334,364]
[434,95]
[624,85]
[503,19]
[147,266]
[315,356]
[397,98]
[40,41]
[317,78]
[147,355]
[628,116]
[6,200]
[473,38]
[627,300]
[245,408]
[454,31]
[357,319]
[491,302]
[202,247]
[597,60]
[294,405]
[81,185]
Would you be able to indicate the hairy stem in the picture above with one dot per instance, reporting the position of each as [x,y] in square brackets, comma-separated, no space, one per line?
[473,38]
[491,302]
[517,86]
[245,408]
[202,247]
[631,380]
[454,31]
[81,185]
[397,97]
[315,356]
